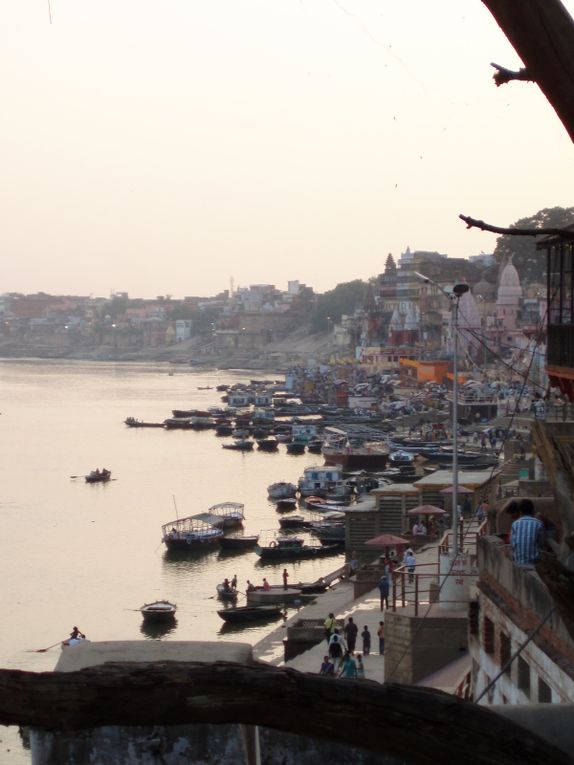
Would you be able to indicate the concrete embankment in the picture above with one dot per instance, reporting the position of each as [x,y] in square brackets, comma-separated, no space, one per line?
[340,601]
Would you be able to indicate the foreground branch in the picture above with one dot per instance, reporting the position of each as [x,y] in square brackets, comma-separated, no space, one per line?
[504,75]
[421,725]
[562,233]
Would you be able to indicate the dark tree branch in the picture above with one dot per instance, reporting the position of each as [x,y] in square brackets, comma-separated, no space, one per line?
[504,75]
[421,725]
[542,34]
[562,233]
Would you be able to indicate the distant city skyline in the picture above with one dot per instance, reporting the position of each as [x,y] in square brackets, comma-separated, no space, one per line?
[157,148]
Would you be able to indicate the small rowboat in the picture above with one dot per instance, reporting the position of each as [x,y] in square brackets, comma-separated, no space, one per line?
[224,593]
[98,476]
[158,611]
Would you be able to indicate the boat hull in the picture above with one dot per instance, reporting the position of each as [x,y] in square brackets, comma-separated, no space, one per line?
[238,543]
[245,614]
[159,612]
[277,595]
[295,553]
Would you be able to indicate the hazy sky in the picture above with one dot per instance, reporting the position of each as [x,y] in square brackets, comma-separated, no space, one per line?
[166,146]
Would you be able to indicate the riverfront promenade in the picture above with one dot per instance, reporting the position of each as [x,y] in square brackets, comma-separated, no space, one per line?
[339,600]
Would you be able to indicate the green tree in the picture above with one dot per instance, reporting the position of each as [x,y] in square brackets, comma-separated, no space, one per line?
[530,262]
[341,300]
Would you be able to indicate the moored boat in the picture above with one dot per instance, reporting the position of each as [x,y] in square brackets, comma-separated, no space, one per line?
[281,490]
[284,505]
[158,611]
[238,543]
[189,533]
[240,445]
[131,422]
[268,444]
[293,548]
[249,613]
[277,594]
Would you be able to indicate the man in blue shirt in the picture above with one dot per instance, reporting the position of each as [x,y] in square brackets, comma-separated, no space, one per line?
[526,535]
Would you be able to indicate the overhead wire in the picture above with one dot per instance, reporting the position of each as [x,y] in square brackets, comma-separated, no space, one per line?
[467,531]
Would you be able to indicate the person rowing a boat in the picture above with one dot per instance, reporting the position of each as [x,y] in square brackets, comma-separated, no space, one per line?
[76,637]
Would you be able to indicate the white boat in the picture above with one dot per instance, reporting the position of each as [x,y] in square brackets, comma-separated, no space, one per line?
[231,514]
[281,490]
[189,533]
[321,481]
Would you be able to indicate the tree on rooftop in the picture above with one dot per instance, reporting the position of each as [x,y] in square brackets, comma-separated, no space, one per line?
[341,300]
[529,262]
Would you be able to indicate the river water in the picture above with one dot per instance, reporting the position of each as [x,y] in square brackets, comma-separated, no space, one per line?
[88,555]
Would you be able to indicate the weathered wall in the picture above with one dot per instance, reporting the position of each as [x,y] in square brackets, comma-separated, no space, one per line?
[416,646]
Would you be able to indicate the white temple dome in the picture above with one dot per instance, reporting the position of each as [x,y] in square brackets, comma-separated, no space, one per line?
[509,289]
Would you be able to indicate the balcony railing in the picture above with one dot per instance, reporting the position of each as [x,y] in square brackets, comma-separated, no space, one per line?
[561,345]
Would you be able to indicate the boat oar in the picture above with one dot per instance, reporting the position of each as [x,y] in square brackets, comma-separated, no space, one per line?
[77,476]
[43,650]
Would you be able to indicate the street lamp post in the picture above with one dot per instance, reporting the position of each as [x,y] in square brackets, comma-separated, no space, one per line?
[454,297]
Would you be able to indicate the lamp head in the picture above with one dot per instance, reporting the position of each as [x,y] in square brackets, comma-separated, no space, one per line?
[460,289]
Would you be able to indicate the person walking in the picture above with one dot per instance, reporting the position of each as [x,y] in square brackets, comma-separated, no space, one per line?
[410,563]
[360,667]
[348,667]
[285,576]
[335,649]
[329,625]
[350,632]
[366,637]
[381,636]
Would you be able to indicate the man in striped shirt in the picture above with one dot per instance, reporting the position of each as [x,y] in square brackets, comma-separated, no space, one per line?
[526,535]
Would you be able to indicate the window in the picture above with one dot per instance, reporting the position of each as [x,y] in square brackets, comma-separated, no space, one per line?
[523,676]
[505,652]
[488,635]
[473,612]
[544,692]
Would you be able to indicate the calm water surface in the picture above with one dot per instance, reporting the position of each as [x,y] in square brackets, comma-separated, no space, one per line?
[87,555]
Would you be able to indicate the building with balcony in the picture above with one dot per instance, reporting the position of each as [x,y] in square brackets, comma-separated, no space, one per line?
[560,337]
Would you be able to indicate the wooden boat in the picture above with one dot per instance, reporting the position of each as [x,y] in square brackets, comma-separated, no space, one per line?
[241,614]
[268,444]
[189,533]
[98,476]
[276,595]
[226,515]
[240,445]
[238,543]
[158,611]
[292,548]
[226,593]
[281,490]
[131,422]
[296,447]
[293,522]
[284,505]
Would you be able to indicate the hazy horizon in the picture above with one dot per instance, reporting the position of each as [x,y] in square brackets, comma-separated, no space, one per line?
[167,148]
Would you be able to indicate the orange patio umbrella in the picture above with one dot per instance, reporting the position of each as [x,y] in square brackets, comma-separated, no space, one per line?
[387,540]
[426,510]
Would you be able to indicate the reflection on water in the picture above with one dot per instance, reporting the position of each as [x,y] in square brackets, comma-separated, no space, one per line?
[95,551]
[183,561]
[158,630]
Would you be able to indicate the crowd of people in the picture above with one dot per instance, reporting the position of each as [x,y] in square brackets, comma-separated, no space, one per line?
[341,659]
